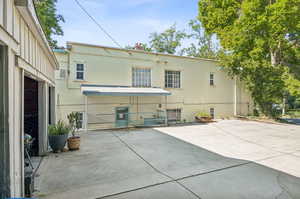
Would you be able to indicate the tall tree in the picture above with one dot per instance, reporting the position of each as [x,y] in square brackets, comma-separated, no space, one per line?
[261,39]
[168,41]
[49,19]
[204,47]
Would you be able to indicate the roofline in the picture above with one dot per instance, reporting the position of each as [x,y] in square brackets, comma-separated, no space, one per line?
[140,51]
[28,6]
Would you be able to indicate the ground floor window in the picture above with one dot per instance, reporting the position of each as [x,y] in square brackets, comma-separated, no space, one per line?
[212,112]
[81,120]
[174,114]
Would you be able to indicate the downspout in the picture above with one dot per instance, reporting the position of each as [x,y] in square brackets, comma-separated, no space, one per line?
[69,66]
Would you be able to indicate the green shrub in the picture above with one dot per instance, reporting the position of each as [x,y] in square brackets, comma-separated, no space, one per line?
[59,129]
[74,122]
[202,114]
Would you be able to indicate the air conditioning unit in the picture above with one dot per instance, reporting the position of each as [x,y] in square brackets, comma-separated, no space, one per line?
[62,73]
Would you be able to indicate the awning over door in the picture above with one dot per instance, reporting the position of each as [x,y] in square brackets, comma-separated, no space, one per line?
[100,90]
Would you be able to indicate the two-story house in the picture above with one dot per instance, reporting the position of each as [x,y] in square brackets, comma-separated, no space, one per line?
[113,87]
[27,92]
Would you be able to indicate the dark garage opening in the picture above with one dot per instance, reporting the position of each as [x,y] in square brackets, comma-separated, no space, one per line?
[31,113]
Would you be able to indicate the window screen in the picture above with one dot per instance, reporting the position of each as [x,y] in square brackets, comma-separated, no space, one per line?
[174,114]
[211,79]
[141,77]
[80,71]
[172,79]
[80,122]
[212,112]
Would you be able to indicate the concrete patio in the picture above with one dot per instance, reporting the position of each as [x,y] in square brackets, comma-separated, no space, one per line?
[207,161]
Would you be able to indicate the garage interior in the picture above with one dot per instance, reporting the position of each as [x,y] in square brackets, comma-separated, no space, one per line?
[31,113]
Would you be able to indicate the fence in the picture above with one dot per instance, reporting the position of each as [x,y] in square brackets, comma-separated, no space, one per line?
[126,119]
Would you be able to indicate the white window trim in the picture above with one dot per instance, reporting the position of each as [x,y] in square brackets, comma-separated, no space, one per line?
[83,120]
[84,71]
[137,67]
[180,76]
[214,112]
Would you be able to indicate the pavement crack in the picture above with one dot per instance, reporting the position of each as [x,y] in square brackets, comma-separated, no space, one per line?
[154,168]
[284,190]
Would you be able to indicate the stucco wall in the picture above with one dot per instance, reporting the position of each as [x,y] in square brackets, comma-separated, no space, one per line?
[109,66]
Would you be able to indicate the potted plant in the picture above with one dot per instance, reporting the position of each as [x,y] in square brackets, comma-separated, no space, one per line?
[58,135]
[74,122]
[203,117]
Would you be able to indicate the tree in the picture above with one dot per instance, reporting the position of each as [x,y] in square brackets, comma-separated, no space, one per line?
[205,47]
[49,19]
[261,42]
[140,46]
[168,41]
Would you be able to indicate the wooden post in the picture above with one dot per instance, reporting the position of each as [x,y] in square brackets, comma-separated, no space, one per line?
[86,113]
[166,107]
[137,108]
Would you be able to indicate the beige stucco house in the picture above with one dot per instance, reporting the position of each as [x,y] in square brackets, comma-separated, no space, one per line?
[114,87]
[27,86]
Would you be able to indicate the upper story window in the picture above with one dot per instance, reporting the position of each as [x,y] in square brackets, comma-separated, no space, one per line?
[80,71]
[141,77]
[211,79]
[172,79]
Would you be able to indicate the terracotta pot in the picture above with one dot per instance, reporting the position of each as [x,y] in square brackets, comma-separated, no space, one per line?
[74,143]
[203,119]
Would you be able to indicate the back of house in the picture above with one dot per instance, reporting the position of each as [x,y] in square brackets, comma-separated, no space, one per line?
[27,95]
[114,87]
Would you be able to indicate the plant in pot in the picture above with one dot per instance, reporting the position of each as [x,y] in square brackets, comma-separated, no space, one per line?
[203,117]
[58,135]
[74,122]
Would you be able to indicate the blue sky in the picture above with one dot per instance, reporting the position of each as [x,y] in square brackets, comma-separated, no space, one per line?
[128,21]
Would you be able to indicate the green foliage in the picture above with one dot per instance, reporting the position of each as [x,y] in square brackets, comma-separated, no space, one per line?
[59,129]
[261,41]
[293,102]
[205,47]
[202,114]
[49,19]
[293,114]
[168,41]
[74,122]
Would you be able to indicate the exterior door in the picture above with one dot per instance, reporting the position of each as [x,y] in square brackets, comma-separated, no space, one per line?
[122,116]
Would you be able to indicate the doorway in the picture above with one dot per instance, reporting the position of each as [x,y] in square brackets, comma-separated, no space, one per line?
[122,116]
[31,113]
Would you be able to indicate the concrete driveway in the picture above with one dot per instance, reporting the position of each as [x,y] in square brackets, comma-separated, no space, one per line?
[149,163]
